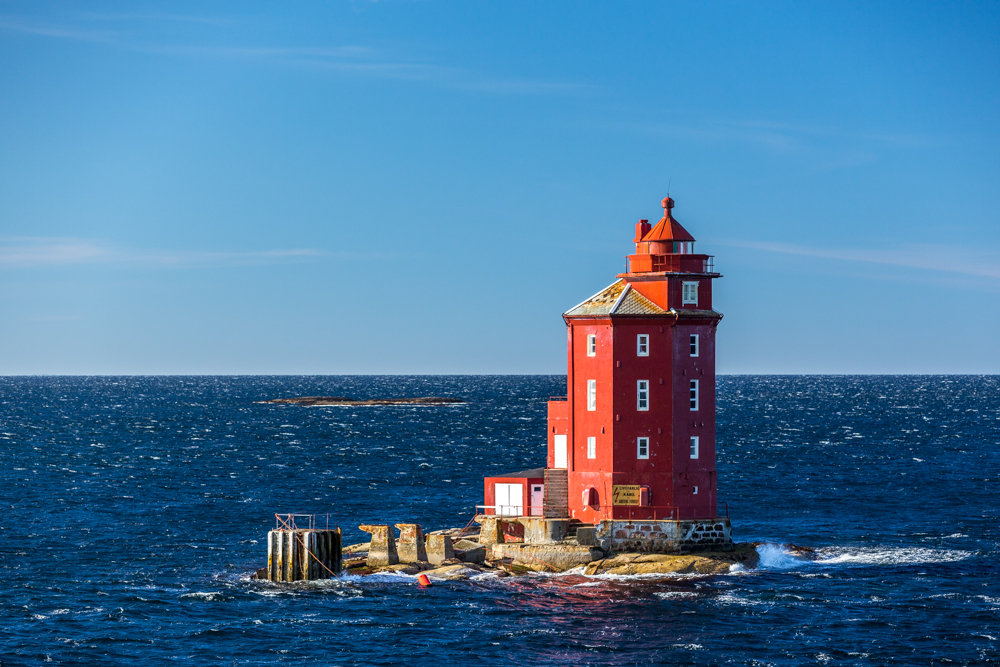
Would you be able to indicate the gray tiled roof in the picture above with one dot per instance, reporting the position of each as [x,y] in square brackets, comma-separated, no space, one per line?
[636,304]
[616,299]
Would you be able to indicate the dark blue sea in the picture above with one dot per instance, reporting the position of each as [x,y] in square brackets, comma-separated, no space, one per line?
[134,509]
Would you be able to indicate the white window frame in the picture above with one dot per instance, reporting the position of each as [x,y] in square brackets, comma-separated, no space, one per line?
[591,395]
[642,448]
[689,292]
[642,395]
[694,446]
[642,345]
[592,447]
[591,345]
[694,395]
[695,345]
[695,491]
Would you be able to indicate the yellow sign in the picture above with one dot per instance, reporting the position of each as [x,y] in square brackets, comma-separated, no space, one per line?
[625,494]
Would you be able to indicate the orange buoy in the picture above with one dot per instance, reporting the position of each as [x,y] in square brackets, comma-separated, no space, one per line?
[423,580]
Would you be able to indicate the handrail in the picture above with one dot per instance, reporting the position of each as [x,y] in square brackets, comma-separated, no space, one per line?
[536,510]
[290,521]
[516,511]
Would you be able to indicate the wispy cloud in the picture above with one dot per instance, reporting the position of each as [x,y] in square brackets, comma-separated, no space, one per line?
[356,60]
[53,252]
[948,259]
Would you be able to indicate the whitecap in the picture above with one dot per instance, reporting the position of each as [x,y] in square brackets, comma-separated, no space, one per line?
[208,596]
[676,595]
[777,557]
[889,555]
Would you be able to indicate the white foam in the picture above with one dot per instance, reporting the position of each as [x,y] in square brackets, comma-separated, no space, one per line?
[676,595]
[208,596]
[889,555]
[777,557]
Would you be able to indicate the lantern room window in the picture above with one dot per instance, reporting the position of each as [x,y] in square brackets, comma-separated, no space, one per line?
[592,447]
[642,395]
[694,395]
[642,448]
[694,345]
[642,345]
[591,345]
[591,395]
[690,293]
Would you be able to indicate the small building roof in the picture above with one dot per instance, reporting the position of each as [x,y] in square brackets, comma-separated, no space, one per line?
[667,229]
[616,299]
[530,474]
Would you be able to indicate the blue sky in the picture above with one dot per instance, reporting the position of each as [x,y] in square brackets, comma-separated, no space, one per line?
[424,187]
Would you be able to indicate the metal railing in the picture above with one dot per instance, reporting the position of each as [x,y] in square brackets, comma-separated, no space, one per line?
[292,521]
[635,512]
[511,511]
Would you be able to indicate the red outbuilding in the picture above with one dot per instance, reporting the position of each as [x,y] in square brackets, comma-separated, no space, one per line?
[634,438]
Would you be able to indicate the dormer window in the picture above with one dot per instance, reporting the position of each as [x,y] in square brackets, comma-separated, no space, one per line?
[689,293]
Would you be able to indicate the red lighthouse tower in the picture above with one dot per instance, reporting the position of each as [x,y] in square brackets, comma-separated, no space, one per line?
[636,433]
[631,448]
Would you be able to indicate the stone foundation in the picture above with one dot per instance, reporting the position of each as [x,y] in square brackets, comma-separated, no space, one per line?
[665,537]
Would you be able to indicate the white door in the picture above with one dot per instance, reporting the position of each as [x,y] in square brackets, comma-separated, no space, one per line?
[537,499]
[508,499]
[560,453]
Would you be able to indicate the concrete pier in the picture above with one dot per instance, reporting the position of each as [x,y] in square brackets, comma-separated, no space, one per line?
[303,554]
[411,547]
[382,551]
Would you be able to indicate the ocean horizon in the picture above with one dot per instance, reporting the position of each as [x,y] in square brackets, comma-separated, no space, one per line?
[135,509]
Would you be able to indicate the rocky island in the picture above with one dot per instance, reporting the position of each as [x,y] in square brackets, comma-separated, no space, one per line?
[455,553]
[343,400]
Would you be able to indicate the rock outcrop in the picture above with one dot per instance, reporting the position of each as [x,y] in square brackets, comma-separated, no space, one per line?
[707,562]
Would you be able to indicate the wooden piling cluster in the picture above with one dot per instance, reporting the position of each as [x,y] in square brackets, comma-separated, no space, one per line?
[303,554]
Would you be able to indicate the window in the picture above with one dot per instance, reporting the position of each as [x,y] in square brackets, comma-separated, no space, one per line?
[690,293]
[694,345]
[695,492]
[642,345]
[642,395]
[592,447]
[592,345]
[694,447]
[642,448]
[591,395]
[694,395]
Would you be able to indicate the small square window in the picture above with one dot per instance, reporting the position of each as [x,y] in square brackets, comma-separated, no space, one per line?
[591,447]
[694,345]
[642,395]
[690,293]
[642,345]
[694,447]
[694,395]
[591,395]
[592,345]
[642,448]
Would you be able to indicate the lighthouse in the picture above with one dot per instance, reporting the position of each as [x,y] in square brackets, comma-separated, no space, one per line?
[631,447]
[636,433]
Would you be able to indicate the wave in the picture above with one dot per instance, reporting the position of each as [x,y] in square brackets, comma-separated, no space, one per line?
[889,555]
[778,557]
